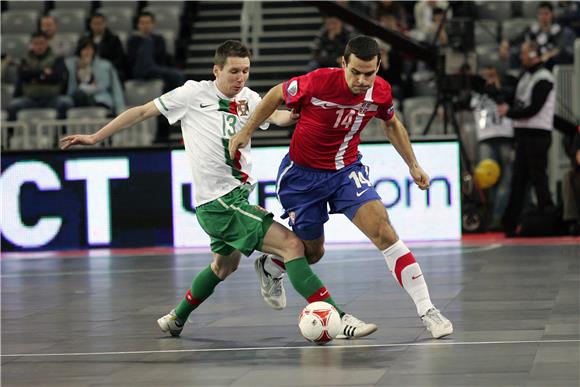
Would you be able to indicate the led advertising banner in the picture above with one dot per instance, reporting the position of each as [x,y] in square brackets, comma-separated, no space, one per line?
[133,198]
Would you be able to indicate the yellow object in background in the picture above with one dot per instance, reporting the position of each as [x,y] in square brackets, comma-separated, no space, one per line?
[486,173]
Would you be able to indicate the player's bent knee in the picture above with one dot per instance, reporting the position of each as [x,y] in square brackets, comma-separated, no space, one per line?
[294,247]
[223,270]
[315,255]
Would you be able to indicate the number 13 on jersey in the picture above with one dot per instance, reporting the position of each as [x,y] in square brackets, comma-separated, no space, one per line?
[229,125]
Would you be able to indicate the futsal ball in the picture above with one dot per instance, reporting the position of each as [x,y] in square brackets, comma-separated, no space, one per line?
[486,173]
[319,322]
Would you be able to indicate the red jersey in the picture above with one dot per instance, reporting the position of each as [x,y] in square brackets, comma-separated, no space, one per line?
[332,117]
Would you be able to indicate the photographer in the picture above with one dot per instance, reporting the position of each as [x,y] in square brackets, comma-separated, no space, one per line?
[532,113]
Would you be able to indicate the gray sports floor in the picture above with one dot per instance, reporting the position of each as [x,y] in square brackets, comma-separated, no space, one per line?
[90,320]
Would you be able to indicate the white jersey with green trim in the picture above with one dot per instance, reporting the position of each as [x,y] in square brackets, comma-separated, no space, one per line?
[208,120]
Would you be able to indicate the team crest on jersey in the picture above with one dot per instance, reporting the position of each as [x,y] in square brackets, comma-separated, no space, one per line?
[293,88]
[242,107]
[366,105]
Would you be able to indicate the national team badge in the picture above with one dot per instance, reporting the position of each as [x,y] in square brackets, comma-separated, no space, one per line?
[293,88]
[365,107]
[242,107]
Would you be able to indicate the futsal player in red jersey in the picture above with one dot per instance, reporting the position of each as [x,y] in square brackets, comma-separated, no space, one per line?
[324,166]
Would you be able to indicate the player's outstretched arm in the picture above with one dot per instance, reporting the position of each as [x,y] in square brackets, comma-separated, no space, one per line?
[263,111]
[398,136]
[124,120]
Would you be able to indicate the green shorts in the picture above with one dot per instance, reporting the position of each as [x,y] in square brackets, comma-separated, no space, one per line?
[233,223]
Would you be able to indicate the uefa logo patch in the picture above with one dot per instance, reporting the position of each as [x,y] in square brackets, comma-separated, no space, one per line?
[293,88]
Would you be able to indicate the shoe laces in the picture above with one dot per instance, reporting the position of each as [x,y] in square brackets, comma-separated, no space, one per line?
[434,315]
[276,286]
[351,320]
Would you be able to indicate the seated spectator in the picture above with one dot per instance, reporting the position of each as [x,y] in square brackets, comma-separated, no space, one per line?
[41,80]
[93,81]
[148,58]
[108,45]
[556,43]
[59,47]
[329,44]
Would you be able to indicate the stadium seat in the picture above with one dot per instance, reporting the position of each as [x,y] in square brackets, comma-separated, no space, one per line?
[19,21]
[38,6]
[70,20]
[486,31]
[169,36]
[7,91]
[86,6]
[512,28]
[119,19]
[36,138]
[87,112]
[15,45]
[496,10]
[166,16]
[141,92]
[529,9]
[417,112]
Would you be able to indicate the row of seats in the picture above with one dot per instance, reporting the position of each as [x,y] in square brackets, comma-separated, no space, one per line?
[40,129]
[137,92]
[120,19]
[16,45]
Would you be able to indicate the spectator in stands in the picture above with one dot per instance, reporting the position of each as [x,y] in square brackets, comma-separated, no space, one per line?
[148,57]
[329,44]
[41,80]
[556,43]
[532,112]
[93,81]
[495,136]
[424,15]
[568,15]
[437,33]
[60,47]
[108,45]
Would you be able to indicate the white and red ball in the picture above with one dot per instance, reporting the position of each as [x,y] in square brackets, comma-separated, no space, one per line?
[319,322]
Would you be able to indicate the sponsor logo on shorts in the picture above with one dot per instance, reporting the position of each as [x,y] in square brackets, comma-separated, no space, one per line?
[359,194]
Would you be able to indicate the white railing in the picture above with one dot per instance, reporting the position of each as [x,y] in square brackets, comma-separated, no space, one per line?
[45,134]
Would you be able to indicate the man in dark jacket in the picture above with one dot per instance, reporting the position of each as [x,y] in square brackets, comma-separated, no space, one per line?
[108,45]
[41,80]
[532,114]
[148,58]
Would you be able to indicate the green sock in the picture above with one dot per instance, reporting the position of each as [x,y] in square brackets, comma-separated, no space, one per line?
[307,284]
[202,287]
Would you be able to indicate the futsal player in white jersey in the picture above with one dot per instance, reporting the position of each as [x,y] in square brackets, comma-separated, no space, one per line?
[210,113]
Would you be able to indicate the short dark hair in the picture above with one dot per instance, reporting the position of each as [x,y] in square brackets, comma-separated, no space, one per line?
[97,14]
[146,13]
[546,4]
[230,48]
[85,42]
[38,34]
[363,47]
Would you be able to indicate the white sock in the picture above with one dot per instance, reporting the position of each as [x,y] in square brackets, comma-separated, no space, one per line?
[274,268]
[407,272]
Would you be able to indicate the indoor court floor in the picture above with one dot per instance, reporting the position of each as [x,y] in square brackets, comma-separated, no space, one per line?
[89,319]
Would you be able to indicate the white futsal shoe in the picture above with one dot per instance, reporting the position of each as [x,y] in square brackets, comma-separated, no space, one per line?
[272,288]
[171,323]
[352,327]
[437,324]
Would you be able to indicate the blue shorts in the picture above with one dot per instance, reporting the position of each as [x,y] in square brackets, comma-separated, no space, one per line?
[306,194]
